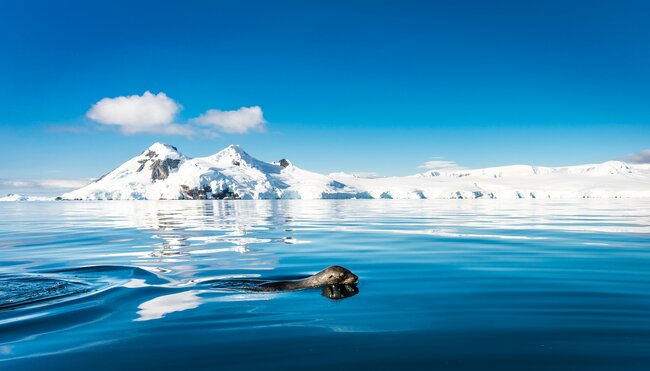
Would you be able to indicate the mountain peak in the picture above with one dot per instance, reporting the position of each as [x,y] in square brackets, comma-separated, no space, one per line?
[161,148]
[234,148]
[233,154]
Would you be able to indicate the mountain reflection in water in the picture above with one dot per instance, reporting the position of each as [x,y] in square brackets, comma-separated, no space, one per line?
[451,284]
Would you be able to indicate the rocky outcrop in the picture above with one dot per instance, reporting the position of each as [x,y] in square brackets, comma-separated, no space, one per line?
[160,168]
[206,193]
[142,164]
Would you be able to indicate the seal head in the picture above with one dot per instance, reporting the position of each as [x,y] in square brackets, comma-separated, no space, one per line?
[334,275]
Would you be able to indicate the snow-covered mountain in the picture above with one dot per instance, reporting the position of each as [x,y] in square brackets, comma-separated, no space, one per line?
[161,172]
[612,179]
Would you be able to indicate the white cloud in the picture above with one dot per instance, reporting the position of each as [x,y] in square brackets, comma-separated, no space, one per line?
[43,183]
[642,157]
[156,114]
[146,113]
[238,121]
[439,164]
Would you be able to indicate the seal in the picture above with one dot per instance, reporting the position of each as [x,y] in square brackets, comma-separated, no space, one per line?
[336,283]
[330,276]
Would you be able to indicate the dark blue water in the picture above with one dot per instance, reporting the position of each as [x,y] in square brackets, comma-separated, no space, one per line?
[462,284]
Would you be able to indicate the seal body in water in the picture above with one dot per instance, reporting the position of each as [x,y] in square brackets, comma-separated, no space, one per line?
[334,275]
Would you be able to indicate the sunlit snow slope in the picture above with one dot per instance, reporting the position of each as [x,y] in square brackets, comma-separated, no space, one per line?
[161,172]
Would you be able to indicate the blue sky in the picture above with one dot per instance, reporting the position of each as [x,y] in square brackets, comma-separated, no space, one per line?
[373,86]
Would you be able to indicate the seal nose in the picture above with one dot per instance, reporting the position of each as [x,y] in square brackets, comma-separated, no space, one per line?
[355,278]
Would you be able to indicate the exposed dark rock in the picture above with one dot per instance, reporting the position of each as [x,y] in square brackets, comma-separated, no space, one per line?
[225,194]
[284,162]
[172,164]
[420,195]
[236,163]
[205,193]
[160,169]
[479,194]
[151,154]
[142,163]
[192,193]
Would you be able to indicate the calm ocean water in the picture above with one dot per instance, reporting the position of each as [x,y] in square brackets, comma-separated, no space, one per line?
[458,284]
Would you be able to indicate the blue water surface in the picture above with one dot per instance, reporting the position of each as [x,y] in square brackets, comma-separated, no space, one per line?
[449,284]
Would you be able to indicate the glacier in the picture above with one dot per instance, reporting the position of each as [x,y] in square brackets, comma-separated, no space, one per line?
[161,172]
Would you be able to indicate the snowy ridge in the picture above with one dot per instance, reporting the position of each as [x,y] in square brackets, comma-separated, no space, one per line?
[162,172]
[606,168]
[13,197]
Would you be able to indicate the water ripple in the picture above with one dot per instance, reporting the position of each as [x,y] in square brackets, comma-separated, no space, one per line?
[501,285]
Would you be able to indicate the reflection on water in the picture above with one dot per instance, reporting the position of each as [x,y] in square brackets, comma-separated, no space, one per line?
[457,284]
[159,306]
[337,292]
